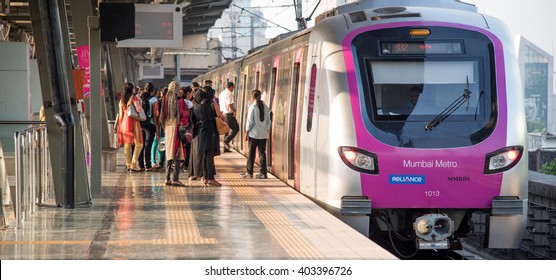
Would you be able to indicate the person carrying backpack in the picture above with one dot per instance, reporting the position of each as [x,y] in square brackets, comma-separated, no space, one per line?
[148,127]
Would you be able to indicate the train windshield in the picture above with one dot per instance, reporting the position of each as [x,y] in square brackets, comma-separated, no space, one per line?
[421,90]
[421,98]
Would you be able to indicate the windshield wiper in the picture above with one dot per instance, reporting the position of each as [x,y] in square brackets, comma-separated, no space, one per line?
[450,109]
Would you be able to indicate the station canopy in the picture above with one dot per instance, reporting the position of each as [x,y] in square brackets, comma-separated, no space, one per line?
[198,15]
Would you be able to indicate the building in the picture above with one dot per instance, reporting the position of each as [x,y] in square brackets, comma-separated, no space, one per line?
[537,79]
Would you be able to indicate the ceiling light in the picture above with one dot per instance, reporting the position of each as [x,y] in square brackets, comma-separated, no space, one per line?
[22,21]
[19,4]
[187,53]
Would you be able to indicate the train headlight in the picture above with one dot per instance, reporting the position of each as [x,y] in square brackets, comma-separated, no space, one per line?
[503,159]
[423,226]
[359,159]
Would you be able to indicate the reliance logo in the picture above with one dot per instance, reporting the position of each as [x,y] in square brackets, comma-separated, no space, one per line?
[406,179]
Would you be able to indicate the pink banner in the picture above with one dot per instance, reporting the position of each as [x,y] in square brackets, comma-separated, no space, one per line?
[83,63]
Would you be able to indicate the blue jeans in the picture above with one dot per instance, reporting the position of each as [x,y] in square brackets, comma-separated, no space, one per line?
[145,155]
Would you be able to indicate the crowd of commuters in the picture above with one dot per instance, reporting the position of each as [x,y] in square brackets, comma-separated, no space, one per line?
[154,144]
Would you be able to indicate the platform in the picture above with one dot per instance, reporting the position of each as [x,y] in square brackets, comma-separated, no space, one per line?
[137,217]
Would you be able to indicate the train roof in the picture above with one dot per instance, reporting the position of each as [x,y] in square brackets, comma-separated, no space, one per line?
[392,4]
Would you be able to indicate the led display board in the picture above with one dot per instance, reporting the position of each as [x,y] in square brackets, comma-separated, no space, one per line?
[149,71]
[156,25]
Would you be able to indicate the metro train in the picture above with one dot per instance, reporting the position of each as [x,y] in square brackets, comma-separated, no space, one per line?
[345,133]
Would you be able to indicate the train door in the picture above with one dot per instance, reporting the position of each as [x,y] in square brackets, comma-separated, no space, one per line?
[242,111]
[281,117]
[291,121]
[308,159]
[298,80]
[270,150]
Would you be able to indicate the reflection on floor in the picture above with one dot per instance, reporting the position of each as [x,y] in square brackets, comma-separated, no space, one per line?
[137,217]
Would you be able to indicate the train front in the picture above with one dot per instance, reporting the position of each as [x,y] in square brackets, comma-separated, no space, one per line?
[440,127]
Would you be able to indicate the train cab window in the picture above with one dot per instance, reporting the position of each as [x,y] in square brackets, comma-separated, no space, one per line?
[415,101]
[417,90]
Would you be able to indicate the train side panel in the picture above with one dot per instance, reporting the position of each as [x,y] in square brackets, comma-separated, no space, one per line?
[505,231]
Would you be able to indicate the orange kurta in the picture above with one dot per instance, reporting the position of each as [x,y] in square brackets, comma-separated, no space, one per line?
[129,130]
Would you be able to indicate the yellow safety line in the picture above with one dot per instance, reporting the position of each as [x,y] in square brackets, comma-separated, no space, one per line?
[180,223]
[295,244]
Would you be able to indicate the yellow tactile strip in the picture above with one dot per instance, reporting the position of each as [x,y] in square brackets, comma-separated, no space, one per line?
[297,246]
[181,227]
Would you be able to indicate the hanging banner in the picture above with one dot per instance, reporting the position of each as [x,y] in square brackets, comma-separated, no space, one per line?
[83,63]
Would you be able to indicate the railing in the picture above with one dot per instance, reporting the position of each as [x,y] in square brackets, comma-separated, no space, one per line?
[6,211]
[32,172]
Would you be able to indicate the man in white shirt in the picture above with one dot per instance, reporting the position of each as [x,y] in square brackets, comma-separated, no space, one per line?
[227,107]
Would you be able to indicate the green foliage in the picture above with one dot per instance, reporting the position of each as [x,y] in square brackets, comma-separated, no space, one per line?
[535,126]
[549,167]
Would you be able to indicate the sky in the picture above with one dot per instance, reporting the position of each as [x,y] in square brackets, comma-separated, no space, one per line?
[534,19]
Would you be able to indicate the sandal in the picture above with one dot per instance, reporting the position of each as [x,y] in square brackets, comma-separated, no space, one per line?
[178,183]
[169,183]
[213,183]
[192,178]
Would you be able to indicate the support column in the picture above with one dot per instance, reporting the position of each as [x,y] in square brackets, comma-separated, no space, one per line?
[178,68]
[52,43]
[96,104]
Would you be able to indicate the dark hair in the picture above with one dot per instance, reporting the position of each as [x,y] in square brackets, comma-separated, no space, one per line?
[208,82]
[149,87]
[195,85]
[199,94]
[416,89]
[186,90]
[257,95]
[229,84]
[128,92]
[204,95]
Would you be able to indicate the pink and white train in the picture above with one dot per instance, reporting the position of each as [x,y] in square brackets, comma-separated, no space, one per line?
[345,134]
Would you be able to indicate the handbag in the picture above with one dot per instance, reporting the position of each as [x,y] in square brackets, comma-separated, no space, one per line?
[221,126]
[132,113]
[185,133]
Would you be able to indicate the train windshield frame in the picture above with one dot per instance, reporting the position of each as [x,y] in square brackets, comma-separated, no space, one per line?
[393,82]
[451,91]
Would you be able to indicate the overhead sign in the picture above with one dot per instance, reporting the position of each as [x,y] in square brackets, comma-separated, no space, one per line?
[151,71]
[156,25]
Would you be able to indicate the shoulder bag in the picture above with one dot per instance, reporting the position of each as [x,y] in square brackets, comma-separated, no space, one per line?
[132,113]
[221,126]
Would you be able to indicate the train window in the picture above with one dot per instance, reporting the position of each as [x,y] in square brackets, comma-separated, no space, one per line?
[311,103]
[421,89]
[411,98]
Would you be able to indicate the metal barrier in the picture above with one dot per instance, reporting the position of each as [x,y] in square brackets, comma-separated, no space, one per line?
[7,209]
[31,172]
[109,155]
